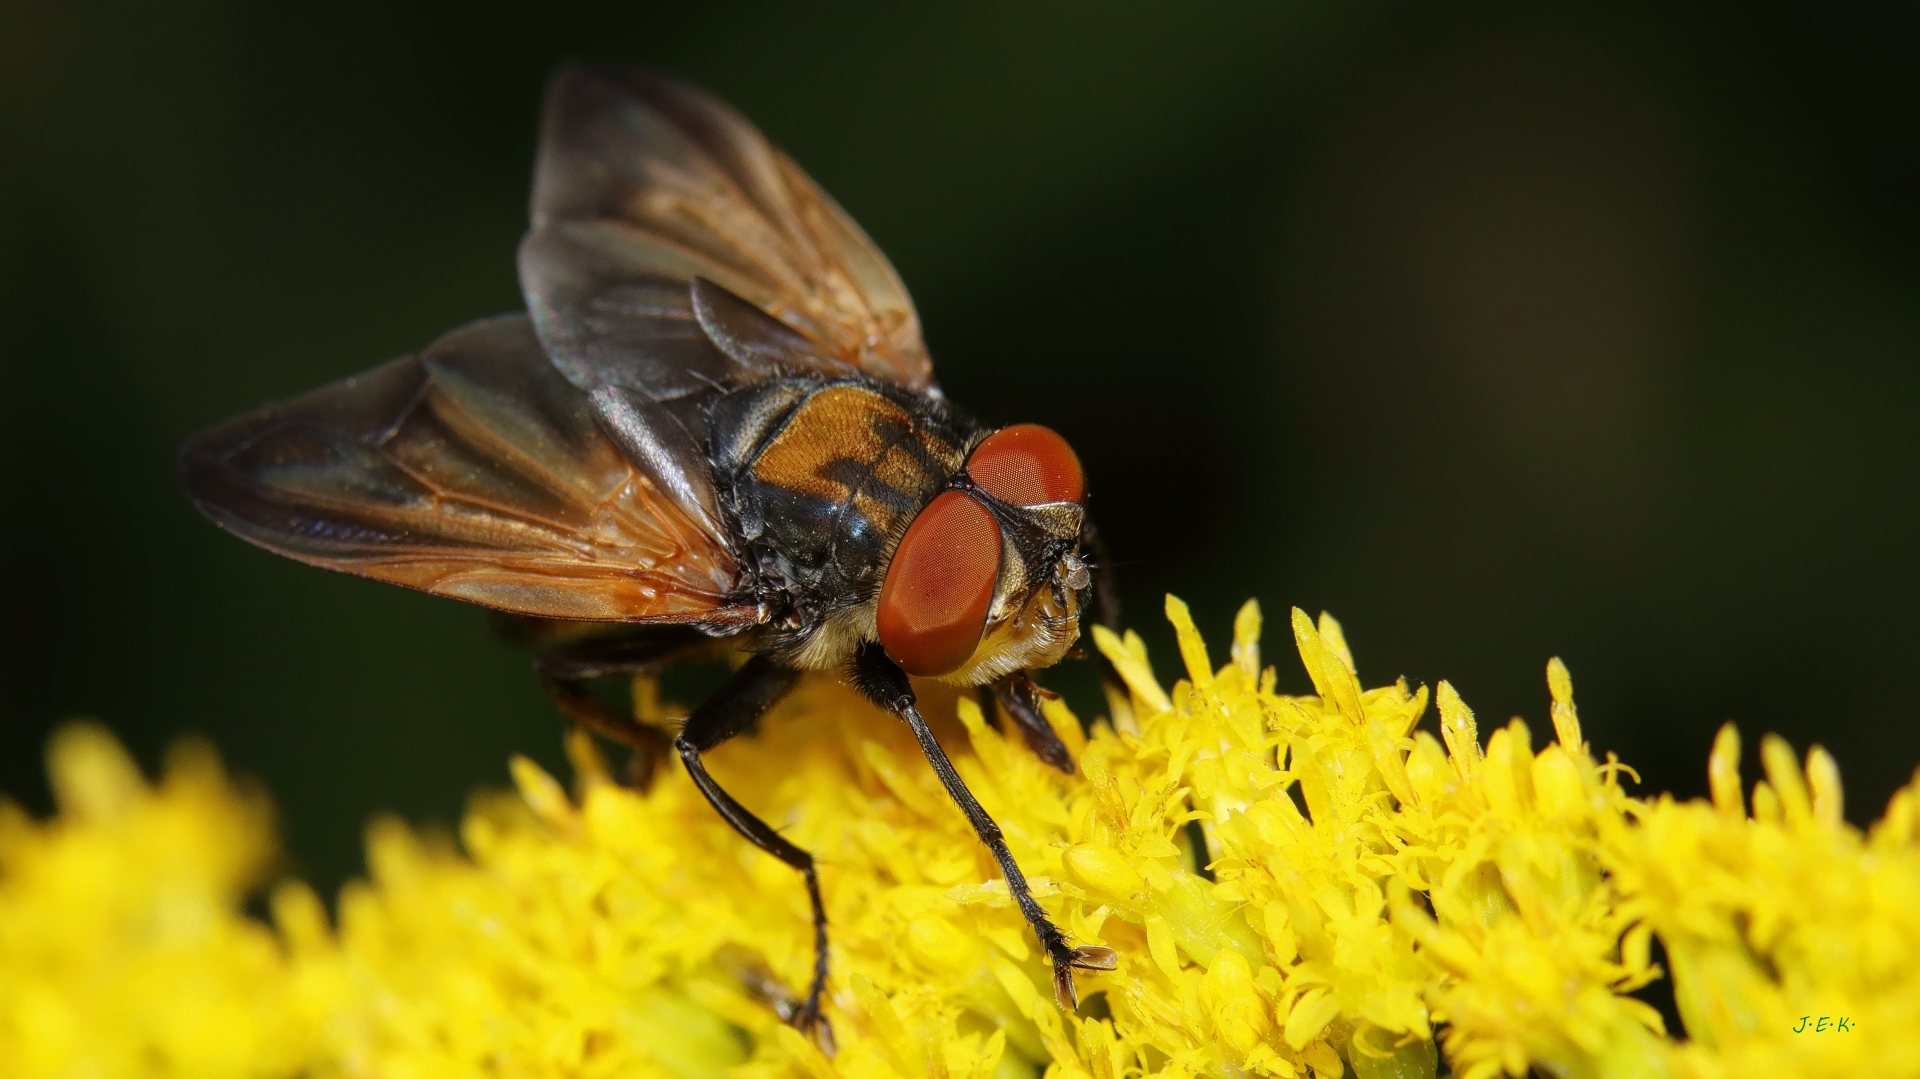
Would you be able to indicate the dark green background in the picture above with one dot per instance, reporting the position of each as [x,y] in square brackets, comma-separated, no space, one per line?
[1500,332]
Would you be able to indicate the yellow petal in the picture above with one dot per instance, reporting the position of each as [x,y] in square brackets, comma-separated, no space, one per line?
[1104,871]
[1566,719]
[1310,1015]
[1823,779]
[1456,726]
[1246,640]
[1723,772]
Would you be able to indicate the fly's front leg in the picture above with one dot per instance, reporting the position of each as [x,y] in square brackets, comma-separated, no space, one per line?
[885,684]
[1020,699]
[752,690]
[565,671]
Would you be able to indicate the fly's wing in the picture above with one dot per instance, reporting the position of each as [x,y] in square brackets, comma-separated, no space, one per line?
[648,191]
[471,470]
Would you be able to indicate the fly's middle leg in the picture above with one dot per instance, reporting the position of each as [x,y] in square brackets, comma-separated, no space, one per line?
[752,690]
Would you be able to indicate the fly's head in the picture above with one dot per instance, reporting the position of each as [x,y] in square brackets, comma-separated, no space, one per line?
[989,578]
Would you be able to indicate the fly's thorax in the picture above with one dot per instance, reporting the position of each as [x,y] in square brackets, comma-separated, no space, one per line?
[821,479]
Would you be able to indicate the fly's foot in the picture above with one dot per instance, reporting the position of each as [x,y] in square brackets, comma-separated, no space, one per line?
[1067,960]
[812,1023]
[803,1016]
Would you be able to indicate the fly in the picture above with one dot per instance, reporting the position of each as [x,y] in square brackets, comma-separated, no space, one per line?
[715,423]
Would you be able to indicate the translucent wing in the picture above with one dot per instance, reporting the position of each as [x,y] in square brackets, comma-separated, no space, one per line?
[643,185]
[471,470]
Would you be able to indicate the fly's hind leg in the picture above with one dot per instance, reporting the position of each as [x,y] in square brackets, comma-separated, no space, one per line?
[886,685]
[565,672]
[752,690]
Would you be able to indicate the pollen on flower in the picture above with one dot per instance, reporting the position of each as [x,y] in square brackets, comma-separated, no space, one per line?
[1364,896]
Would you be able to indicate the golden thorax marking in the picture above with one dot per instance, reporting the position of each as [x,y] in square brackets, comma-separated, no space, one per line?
[838,423]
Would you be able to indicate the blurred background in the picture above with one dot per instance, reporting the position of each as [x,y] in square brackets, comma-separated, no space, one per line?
[1499,330]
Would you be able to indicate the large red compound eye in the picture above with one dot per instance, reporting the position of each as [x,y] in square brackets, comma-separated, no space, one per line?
[1026,465]
[933,604]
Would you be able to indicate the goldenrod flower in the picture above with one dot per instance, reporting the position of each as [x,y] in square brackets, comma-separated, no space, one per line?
[1364,889]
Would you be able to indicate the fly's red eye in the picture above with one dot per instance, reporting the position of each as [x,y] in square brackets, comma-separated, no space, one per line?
[1026,465]
[933,605]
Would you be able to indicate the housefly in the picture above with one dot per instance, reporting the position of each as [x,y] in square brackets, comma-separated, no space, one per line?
[715,419]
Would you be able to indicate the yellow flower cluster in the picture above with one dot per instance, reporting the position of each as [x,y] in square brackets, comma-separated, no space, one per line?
[1364,888]
[1794,940]
[122,950]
